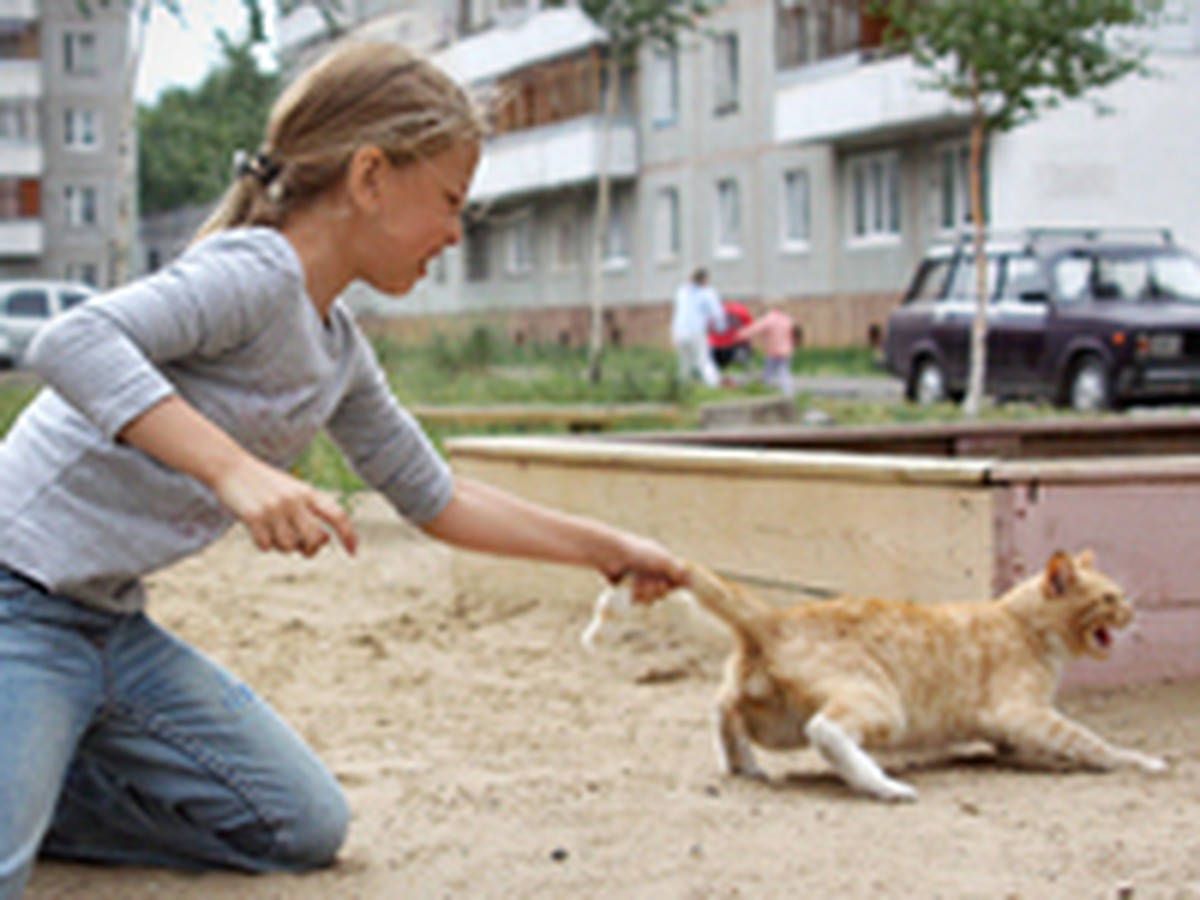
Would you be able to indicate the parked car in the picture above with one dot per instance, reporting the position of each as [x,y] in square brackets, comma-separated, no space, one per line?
[1084,318]
[25,306]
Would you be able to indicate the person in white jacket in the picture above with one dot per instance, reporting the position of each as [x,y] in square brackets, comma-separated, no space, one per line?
[697,311]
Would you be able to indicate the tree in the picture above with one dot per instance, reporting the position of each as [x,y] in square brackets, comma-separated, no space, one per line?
[1008,60]
[187,139]
[140,10]
[630,25]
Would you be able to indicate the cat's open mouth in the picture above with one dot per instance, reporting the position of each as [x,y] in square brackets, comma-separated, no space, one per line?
[1102,638]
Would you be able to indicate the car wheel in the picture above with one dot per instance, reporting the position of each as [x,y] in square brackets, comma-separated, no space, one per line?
[1088,387]
[927,384]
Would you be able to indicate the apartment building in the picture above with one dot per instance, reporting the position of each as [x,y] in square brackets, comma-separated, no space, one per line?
[62,163]
[780,147]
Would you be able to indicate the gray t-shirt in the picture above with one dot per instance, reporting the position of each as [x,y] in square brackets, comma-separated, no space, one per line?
[230,328]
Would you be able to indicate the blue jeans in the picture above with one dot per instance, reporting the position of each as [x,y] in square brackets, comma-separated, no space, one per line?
[121,744]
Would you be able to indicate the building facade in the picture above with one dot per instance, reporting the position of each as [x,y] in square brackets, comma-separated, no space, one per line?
[779,147]
[67,208]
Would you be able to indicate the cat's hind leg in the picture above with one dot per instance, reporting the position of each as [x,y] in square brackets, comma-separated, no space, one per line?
[733,741]
[837,740]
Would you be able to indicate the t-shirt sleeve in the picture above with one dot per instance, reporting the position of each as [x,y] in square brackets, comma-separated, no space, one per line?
[103,356]
[386,445]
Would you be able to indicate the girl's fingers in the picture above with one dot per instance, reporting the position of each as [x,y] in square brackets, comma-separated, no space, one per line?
[328,511]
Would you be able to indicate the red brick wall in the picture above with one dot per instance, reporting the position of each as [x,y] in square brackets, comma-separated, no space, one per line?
[843,321]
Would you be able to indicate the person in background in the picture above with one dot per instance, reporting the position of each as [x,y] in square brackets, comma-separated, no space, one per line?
[778,332]
[697,311]
[727,350]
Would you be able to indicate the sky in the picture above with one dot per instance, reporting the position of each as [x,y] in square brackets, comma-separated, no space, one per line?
[180,54]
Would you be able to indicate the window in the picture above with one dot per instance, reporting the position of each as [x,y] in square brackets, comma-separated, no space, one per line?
[81,205]
[28,304]
[616,240]
[664,86]
[729,218]
[954,187]
[80,53]
[875,196]
[808,31]
[725,73]
[965,280]
[797,216]
[81,129]
[85,273]
[18,121]
[477,251]
[667,242]
[566,240]
[520,245]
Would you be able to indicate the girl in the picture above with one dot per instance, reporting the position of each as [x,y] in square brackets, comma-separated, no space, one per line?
[174,408]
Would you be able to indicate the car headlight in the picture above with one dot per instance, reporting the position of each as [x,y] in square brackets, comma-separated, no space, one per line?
[1159,345]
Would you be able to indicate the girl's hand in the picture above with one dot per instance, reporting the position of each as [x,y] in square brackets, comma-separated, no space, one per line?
[649,569]
[283,513]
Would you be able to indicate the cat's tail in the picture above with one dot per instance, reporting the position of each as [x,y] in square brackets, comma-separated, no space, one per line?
[732,604]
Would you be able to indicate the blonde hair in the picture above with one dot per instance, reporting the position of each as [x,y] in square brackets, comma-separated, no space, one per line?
[359,94]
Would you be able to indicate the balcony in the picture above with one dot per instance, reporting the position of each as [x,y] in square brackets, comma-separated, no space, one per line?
[20,79]
[19,10]
[553,157]
[846,99]
[21,159]
[21,238]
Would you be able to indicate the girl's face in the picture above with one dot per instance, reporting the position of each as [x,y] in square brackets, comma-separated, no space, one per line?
[419,214]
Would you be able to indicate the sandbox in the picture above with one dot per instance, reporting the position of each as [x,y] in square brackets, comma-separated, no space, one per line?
[929,513]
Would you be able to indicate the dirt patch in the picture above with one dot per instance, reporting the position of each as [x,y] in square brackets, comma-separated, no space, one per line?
[490,756]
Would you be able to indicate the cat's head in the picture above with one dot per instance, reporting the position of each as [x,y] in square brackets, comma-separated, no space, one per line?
[1085,606]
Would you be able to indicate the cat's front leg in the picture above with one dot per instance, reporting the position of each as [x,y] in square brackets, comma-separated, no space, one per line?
[1037,735]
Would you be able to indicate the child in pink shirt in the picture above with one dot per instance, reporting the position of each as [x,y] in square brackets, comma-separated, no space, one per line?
[778,331]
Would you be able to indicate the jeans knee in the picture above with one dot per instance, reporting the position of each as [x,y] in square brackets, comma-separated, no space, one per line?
[317,835]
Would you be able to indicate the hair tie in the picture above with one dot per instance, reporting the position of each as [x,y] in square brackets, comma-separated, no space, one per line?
[260,166]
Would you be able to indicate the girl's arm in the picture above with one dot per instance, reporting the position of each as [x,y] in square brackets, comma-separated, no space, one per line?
[488,520]
[282,512]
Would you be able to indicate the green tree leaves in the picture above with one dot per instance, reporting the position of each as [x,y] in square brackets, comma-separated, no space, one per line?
[187,140]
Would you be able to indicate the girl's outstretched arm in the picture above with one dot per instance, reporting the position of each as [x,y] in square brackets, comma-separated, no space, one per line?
[488,520]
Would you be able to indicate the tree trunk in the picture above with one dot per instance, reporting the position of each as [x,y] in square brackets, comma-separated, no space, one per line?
[603,203]
[977,373]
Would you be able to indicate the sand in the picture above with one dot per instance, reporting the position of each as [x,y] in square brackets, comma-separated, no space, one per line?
[487,755]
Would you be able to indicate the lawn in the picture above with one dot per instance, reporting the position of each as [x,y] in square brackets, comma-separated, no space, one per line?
[483,369]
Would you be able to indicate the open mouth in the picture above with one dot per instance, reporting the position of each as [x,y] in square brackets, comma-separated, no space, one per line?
[1102,637]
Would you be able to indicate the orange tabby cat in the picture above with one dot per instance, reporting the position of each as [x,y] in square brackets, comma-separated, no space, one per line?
[850,674]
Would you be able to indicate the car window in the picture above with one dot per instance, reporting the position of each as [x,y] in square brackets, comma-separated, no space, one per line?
[73,298]
[1021,276]
[930,281]
[1175,275]
[963,281]
[1071,276]
[28,304]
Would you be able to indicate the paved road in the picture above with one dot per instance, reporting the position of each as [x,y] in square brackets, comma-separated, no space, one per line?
[882,390]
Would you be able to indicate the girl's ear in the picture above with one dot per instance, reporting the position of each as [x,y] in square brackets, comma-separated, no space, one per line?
[364,177]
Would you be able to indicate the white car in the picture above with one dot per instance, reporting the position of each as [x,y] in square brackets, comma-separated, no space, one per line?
[25,306]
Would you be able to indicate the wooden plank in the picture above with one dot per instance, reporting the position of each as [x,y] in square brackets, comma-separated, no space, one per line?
[926,538]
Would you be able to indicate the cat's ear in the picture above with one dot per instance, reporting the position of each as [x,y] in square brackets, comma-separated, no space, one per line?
[1060,575]
[1086,559]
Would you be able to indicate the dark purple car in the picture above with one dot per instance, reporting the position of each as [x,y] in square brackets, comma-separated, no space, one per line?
[1087,319]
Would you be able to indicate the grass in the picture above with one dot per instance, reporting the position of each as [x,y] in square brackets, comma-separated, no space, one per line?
[483,369]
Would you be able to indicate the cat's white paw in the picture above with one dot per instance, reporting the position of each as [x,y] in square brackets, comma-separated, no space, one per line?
[894,791]
[1148,763]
